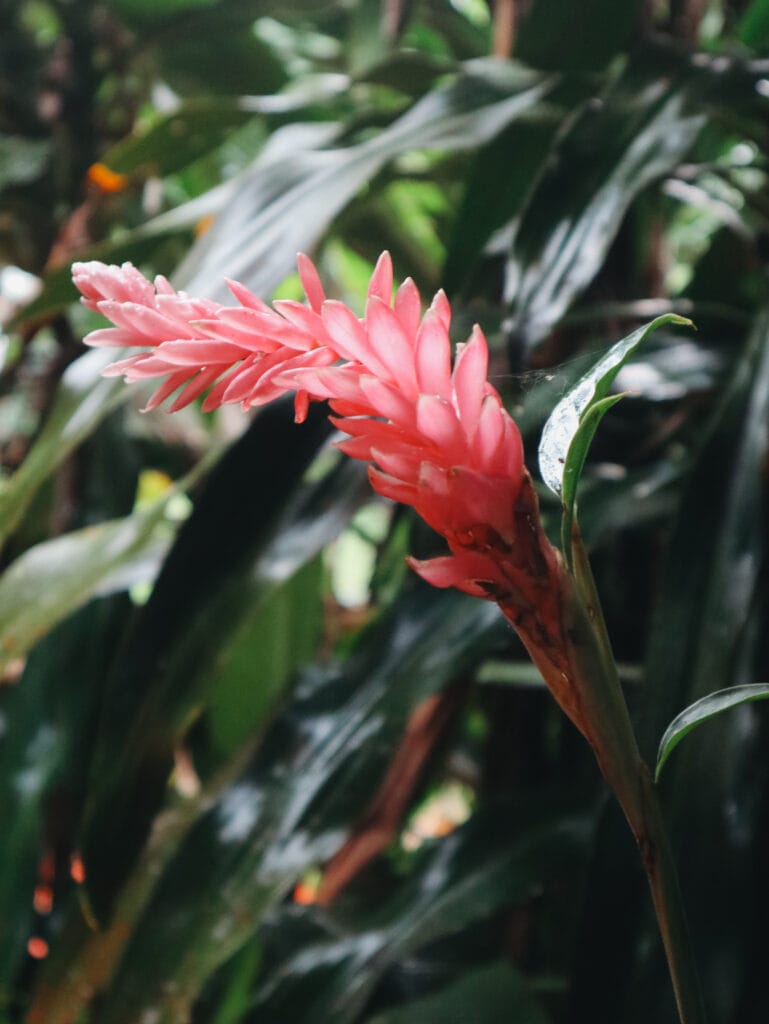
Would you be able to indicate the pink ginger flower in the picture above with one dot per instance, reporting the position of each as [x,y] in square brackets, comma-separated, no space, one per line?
[435,434]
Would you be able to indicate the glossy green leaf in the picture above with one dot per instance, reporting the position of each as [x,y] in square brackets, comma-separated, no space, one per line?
[606,155]
[253,666]
[708,629]
[570,429]
[466,880]
[284,204]
[312,775]
[703,709]
[502,176]
[52,579]
[46,725]
[208,583]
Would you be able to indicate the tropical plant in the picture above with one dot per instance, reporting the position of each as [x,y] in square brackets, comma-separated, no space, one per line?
[252,767]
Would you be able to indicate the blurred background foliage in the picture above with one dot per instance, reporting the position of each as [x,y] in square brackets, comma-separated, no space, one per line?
[251,769]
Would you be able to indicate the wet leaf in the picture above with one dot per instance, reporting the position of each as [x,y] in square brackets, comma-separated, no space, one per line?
[208,582]
[708,630]
[466,879]
[570,429]
[703,709]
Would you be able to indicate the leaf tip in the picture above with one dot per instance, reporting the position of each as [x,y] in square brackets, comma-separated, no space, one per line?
[682,321]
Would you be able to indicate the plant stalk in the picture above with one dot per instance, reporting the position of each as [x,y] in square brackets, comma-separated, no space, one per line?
[641,807]
[658,863]
[575,658]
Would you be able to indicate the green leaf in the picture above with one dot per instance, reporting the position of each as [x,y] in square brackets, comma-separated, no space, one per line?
[703,709]
[569,431]
[177,139]
[83,400]
[605,156]
[287,199]
[484,996]
[465,882]
[209,582]
[753,28]
[309,780]
[595,30]
[52,579]
[502,176]
[708,630]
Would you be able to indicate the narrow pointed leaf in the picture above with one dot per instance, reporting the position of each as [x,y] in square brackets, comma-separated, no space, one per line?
[703,709]
[570,429]
[605,156]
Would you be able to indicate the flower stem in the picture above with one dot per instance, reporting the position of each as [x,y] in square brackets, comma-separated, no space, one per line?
[571,649]
[639,802]
[660,869]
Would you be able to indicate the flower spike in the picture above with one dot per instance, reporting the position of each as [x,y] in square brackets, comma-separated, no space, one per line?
[433,430]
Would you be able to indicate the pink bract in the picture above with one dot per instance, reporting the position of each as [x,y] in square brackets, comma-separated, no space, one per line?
[434,431]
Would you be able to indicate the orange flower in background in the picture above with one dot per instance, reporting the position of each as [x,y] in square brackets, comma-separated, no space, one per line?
[105,179]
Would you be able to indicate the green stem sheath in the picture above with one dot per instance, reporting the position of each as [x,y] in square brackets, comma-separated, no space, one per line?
[630,780]
[575,658]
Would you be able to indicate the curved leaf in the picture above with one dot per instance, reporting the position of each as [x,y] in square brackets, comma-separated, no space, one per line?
[570,429]
[703,709]
[52,579]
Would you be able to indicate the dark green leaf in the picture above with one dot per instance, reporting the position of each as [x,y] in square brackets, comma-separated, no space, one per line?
[491,995]
[754,24]
[502,176]
[595,31]
[708,630]
[607,154]
[469,878]
[701,711]
[205,587]
[308,782]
